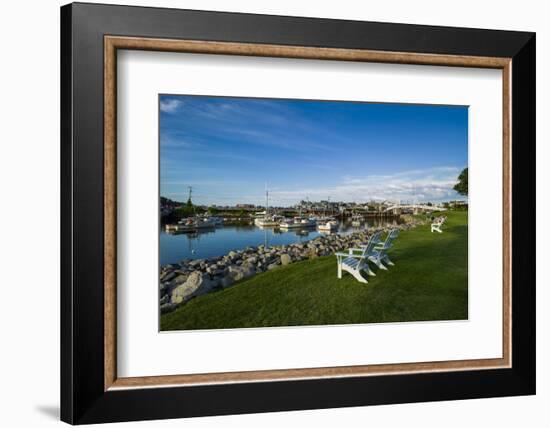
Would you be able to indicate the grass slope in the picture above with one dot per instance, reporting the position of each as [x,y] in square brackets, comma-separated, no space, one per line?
[428,282]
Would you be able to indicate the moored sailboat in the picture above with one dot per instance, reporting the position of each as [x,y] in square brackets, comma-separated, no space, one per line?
[267,220]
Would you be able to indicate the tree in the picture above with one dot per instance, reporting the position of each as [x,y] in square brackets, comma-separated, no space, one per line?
[462,185]
[189,204]
[184,211]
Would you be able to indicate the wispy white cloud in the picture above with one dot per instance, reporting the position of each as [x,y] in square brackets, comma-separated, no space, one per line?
[170,105]
[433,184]
[263,123]
[177,143]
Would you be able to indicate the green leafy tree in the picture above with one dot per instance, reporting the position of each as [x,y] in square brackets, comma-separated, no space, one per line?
[462,185]
[189,204]
[184,211]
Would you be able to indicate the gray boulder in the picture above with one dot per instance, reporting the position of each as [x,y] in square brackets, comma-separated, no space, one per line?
[285,259]
[312,253]
[241,272]
[197,284]
[180,279]
[252,260]
[168,276]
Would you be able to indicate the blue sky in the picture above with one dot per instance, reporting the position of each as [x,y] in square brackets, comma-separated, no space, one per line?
[227,149]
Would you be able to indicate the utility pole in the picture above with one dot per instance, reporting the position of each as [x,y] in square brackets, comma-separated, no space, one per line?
[189,201]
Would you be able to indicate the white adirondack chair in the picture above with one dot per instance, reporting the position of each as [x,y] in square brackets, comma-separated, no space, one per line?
[355,260]
[379,254]
[436,225]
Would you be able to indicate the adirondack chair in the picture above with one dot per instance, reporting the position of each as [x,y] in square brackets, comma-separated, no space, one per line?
[436,225]
[379,254]
[355,260]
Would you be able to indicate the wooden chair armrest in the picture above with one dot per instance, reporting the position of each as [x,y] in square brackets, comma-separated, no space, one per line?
[357,256]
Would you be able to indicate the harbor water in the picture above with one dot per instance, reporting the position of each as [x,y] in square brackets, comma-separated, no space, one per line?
[221,240]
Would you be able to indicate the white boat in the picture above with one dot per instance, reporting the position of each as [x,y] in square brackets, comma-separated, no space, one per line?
[203,222]
[265,219]
[328,226]
[192,224]
[218,221]
[290,224]
[298,223]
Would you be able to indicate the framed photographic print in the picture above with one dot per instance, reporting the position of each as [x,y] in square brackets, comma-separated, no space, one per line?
[266,213]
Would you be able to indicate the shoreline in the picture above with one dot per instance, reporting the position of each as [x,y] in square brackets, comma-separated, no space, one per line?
[183,281]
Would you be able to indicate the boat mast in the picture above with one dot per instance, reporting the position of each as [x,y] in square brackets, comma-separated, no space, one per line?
[266,199]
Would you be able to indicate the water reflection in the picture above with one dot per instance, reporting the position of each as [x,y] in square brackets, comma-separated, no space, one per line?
[221,240]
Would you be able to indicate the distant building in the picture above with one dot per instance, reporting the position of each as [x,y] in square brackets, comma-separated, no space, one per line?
[456,204]
[246,206]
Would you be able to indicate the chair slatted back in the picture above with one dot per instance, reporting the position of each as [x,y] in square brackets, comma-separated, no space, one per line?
[391,237]
[373,240]
[368,249]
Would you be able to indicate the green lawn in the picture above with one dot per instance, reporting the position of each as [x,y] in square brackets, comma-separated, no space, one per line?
[428,282]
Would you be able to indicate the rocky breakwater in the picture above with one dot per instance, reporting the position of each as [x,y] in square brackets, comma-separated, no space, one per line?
[181,282]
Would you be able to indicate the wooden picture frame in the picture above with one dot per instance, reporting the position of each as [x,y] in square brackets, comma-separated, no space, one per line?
[91,390]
